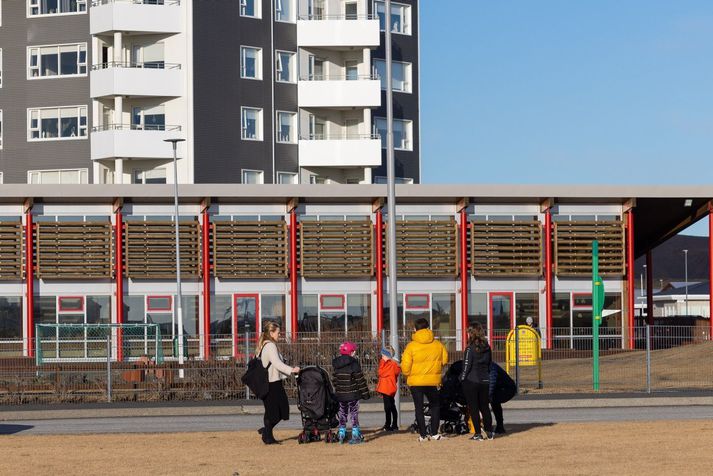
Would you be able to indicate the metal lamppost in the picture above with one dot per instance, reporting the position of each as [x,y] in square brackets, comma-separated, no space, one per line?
[391,197]
[178,309]
[685,275]
[642,281]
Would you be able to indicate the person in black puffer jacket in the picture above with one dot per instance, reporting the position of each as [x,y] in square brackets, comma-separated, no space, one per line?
[475,379]
[502,389]
[349,387]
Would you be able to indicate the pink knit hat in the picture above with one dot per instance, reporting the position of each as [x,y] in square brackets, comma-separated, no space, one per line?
[347,348]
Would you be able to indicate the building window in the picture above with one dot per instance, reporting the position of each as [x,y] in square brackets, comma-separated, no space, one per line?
[150,176]
[148,118]
[286,178]
[286,127]
[253,176]
[61,176]
[285,67]
[400,17]
[402,133]
[57,123]
[400,75]
[57,61]
[380,179]
[55,7]
[250,8]
[285,10]
[251,123]
[250,62]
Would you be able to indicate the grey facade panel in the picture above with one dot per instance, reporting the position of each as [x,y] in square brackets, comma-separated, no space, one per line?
[17,94]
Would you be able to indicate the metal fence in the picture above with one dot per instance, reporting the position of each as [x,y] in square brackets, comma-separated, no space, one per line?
[664,358]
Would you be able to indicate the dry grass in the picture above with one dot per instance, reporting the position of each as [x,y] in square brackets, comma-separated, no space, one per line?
[589,448]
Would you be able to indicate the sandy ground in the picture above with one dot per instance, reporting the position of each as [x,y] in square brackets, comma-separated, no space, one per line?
[591,448]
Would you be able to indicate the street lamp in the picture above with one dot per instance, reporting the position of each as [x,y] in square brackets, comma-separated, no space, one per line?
[179,305]
[642,281]
[685,275]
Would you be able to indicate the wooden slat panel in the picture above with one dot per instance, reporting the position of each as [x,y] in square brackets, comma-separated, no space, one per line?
[250,249]
[573,248]
[506,248]
[425,248]
[333,249]
[11,256]
[73,250]
[149,249]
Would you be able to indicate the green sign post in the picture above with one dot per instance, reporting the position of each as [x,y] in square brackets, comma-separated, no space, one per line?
[597,308]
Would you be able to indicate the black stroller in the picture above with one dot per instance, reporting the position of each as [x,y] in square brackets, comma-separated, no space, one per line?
[317,405]
[454,409]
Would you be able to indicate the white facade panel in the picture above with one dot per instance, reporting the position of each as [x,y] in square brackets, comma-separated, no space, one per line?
[136,144]
[338,33]
[135,17]
[136,82]
[340,153]
[340,93]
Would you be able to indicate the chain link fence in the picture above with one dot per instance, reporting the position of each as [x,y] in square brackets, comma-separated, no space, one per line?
[664,358]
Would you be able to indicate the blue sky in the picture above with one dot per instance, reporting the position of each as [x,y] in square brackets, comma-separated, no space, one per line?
[547,91]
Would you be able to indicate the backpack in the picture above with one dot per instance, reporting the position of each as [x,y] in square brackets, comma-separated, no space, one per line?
[256,377]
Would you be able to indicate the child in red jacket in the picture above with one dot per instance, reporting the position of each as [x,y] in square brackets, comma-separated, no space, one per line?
[389,371]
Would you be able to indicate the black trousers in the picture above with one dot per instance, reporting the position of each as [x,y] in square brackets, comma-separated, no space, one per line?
[476,394]
[277,408]
[434,403]
[498,412]
[392,415]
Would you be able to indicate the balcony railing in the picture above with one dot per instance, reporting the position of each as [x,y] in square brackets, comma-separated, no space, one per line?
[341,16]
[96,3]
[339,77]
[340,137]
[135,127]
[144,65]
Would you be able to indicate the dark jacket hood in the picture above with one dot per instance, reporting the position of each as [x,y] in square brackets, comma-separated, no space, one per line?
[344,363]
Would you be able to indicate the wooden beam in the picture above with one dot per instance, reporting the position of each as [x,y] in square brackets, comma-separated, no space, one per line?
[117,205]
[546,204]
[27,205]
[461,204]
[205,204]
[628,205]
[292,204]
[377,204]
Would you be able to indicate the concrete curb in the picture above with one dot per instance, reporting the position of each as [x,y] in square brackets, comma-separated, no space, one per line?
[257,409]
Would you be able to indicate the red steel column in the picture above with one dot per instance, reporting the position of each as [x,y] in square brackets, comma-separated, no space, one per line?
[548,276]
[464,275]
[379,231]
[119,254]
[630,276]
[30,277]
[206,284]
[293,273]
[710,269]
[649,288]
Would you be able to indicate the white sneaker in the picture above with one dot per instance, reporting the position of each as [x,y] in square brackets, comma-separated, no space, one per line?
[421,439]
[437,437]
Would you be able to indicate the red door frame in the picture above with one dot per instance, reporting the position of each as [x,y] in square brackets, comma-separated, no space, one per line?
[236,296]
[511,295]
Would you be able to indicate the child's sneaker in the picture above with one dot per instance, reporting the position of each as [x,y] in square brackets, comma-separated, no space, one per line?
[342,435]
[357,437]
[421,439]
[437,437]
[477,437]
[491,435]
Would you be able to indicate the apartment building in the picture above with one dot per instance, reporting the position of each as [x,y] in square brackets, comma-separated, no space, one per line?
[262,91]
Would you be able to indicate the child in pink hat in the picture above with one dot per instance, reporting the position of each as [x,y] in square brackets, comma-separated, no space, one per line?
[349,387]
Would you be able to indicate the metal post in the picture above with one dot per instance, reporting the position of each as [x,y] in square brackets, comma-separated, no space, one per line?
[685,274]
[108,367]
[391,200]
[517,361]
[648,358]
[596,315]
[247,354]
[383,337]
[179,304]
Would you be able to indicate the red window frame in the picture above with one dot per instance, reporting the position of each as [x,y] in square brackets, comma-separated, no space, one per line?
[581,306]
[62,309]
[322,307]
[411,308]
[159,309]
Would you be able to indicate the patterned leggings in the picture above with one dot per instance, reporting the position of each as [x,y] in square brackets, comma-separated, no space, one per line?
[346,409]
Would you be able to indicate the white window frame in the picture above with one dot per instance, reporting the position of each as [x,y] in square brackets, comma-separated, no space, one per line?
[38,67]
[258,63]
[139,176]
[59,109]
[293,12]
[258,9]
[405,16]
[293,127]
[293,175]
[408,75]
[35,4]
[258,123]
[407,145]
[83,173]
[260,172]
[278,66]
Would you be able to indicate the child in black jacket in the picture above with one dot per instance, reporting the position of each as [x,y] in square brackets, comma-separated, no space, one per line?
[349,387]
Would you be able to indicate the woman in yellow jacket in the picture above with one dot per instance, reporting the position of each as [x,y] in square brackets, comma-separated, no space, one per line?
[422,362]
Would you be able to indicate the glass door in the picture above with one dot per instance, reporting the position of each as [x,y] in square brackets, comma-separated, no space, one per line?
[501,313]
[246,318]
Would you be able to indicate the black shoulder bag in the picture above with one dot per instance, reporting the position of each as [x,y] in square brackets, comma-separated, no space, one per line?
[256,377]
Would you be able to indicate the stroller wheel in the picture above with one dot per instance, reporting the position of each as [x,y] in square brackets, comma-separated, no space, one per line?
[301,438]
[315,436]
[328,437]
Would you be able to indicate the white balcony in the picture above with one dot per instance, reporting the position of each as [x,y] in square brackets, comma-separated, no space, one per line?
[339,92]
[351,151]
[145,16]
[136,79]
[338,32]
[129,141]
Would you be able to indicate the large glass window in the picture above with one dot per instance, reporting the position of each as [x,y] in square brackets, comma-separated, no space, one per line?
[387,309]
[286,178]
[250,62]
[57,123]
[527,305]
[402,133]
[273,309]
[57,61]
[221,314]
[400,17]
[358,312]
[443,309]
[308,313]
[284,10]
[285,67]
[561,322]
[400,75]
[10,317]
[251,123]
[286,127]
[501,313]
[478,309]
[62,176]
[149,118]
[56,7]
[253,176]
[250,8]
[416,306]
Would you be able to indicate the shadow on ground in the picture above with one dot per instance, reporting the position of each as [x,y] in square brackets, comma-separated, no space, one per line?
[12,429]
